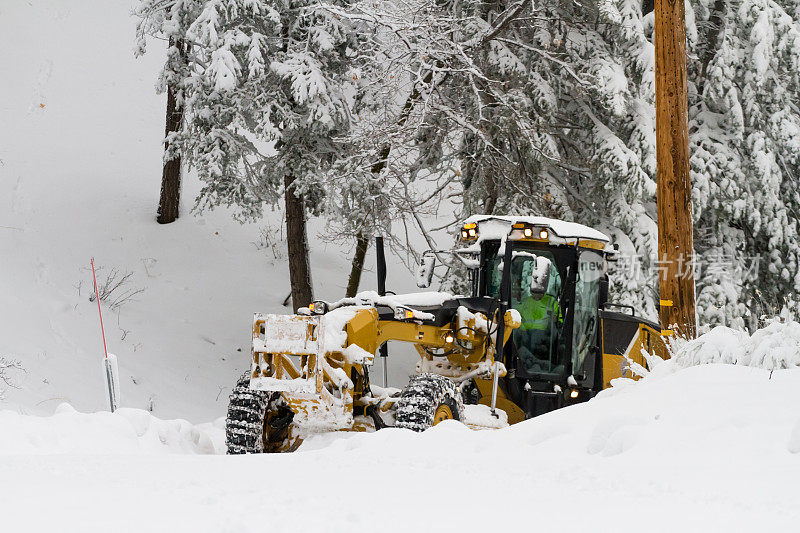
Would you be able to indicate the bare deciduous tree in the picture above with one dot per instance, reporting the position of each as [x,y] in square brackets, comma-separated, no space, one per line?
[115,289]
[7,367]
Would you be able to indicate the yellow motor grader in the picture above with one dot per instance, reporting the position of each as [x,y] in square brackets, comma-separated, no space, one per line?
[536,334]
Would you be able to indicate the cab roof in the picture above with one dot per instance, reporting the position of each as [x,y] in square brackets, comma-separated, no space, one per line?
[497,227]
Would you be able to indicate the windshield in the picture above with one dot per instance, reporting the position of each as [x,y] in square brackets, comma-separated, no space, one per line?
[535,291]
[587,289]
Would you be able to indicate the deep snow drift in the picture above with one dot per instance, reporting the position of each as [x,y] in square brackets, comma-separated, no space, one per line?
[694,445]
[713,447]
[126,431]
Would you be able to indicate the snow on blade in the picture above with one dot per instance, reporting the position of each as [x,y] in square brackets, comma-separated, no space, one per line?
[480,417]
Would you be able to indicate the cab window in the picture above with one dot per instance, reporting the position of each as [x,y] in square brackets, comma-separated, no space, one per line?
[587,291]
[538,338]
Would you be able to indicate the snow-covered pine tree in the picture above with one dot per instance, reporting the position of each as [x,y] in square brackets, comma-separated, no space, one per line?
[744,98]
[379,186]
[180,15]
[265,90]
[554,115]
[541,108]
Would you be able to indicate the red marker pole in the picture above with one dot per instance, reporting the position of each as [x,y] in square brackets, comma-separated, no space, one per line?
[110,361]
[99,312]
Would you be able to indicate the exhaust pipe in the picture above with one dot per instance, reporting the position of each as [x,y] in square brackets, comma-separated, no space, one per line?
[381,257]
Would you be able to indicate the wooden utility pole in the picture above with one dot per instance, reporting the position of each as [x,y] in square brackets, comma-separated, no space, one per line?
[675,249]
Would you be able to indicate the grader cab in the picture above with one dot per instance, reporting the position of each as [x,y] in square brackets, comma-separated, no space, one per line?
[536,334]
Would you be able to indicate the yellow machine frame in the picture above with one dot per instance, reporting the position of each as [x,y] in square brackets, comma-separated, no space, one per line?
[648,340]
[325,388]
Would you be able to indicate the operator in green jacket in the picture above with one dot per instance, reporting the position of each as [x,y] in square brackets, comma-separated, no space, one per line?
[539,312]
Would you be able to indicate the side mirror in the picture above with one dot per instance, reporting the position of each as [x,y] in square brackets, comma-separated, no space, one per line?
[540,277]
[425,270]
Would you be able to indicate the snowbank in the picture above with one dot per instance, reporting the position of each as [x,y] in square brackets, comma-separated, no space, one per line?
[127,431]
[709,447]
[700,447]
[775,346]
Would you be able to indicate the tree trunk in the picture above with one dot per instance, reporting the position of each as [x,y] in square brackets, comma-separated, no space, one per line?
[715,31]
[171,175]
[492,193]
[297,244]
[358,265]
[674,202]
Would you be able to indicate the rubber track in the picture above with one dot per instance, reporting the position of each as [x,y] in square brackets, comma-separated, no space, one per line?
[419,400]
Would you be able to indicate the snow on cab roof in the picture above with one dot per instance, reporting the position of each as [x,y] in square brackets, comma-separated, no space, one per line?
[559,227]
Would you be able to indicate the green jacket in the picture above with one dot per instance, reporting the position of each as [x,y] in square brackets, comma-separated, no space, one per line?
[537,313]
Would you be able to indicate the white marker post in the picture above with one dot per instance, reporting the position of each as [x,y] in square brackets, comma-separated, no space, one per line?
[110,360]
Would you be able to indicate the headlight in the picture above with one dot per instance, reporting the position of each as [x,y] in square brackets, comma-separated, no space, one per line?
[403,313]
[318,307]
[469,231]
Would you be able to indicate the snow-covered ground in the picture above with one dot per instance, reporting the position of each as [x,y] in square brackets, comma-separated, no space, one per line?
[705,448]
[712,447]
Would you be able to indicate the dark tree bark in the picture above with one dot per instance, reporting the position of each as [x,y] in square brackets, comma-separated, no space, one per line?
[297,244]
[362,243]
[171,175]
[715,29]
[492,193]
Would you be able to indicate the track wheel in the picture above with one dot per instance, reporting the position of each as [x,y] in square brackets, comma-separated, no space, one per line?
[257,421]
[428,400]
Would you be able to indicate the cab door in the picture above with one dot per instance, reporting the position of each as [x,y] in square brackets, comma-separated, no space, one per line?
[585,345]
[539,346]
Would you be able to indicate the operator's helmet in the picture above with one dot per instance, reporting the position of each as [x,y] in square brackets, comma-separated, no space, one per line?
[528,270]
